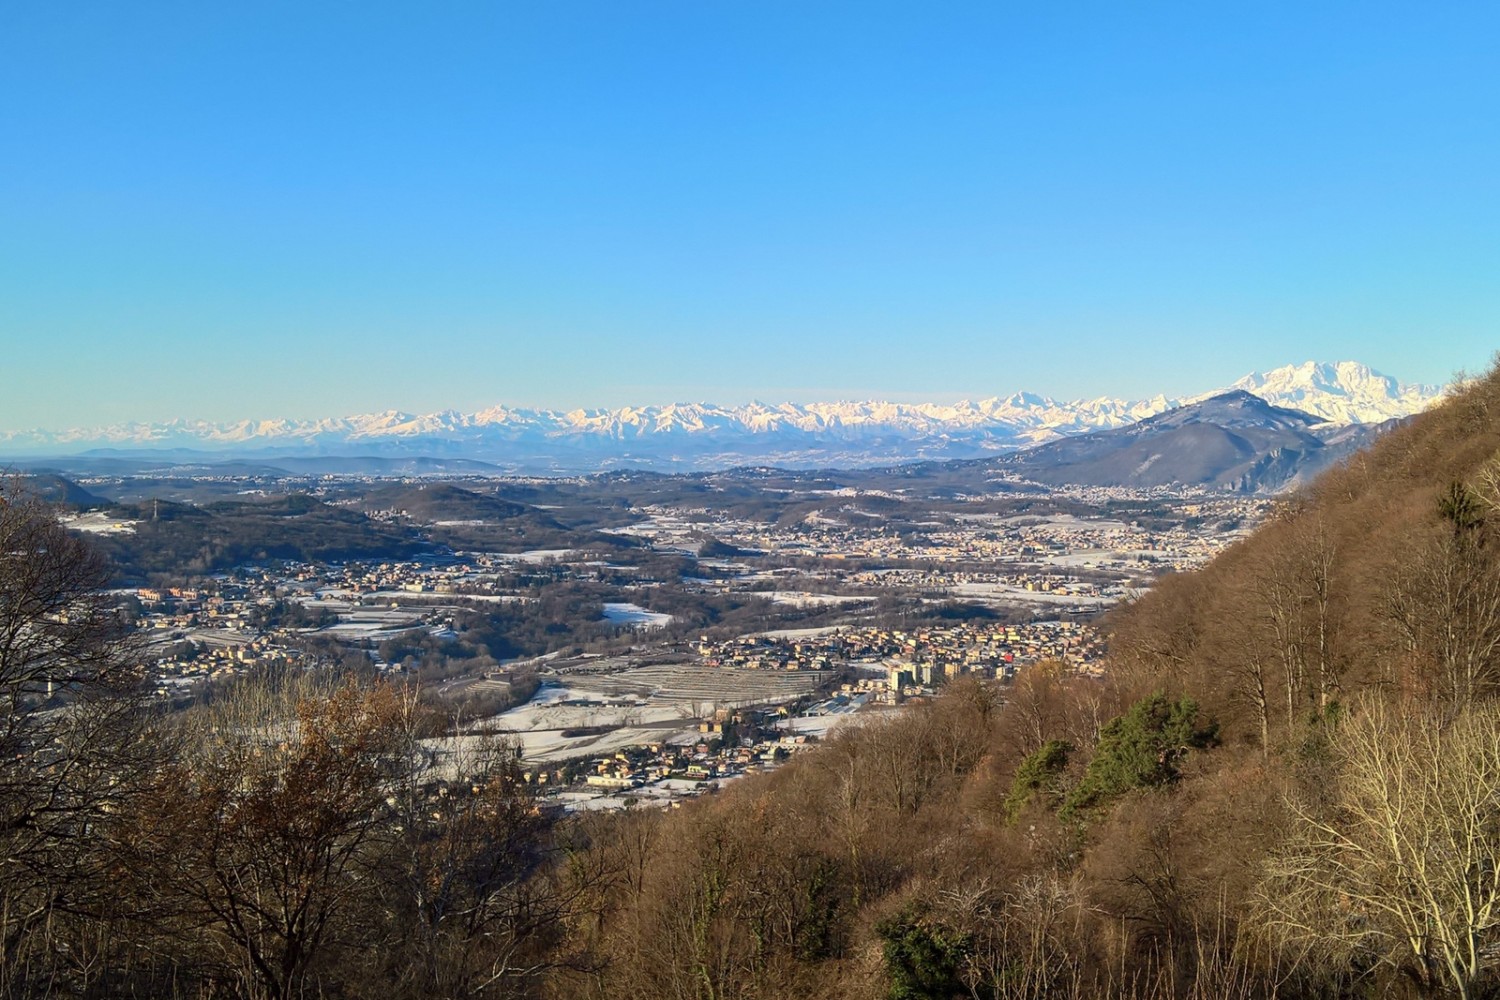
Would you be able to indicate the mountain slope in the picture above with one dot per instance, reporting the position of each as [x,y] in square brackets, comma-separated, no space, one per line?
[1231,441]
[62,491]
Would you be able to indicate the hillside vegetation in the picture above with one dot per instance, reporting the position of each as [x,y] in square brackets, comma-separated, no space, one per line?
[1287,784]
[183,538]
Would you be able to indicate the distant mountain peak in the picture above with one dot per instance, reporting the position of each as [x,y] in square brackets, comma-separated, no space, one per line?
[1343,392]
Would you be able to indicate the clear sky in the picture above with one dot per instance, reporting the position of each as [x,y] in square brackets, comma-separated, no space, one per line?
[228,210]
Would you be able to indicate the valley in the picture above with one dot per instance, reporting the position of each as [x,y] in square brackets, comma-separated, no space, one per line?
[636,626]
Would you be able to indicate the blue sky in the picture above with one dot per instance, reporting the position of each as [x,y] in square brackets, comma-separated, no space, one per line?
[258,209]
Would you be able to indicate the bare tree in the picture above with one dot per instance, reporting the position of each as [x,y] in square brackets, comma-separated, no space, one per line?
[258,842]
[1402,868]
[1444,606]
[465,865]
[1279,625]
[1248,660]
[70,746]
[849,803]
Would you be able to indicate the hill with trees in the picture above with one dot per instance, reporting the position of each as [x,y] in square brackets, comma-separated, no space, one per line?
[61,491]
[429,502]
[185,538]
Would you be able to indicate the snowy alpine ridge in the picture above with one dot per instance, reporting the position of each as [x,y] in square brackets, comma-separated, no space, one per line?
[1345,392]
[703,435]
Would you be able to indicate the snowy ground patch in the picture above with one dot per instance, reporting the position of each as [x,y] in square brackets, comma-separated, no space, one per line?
[803,599]
[634,615]
[99,524]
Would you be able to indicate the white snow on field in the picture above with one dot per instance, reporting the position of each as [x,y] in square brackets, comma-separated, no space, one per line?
[636,706]
[551,745]
[583,802]
[217,637]
[366,630]
[648,527]
[800,633]
[1094,558]
[535,555]
[728,565]
[803,599]
[634,614]
[812,725]
[335,599]
[573,707]
[539,724]
[1071,522]
[98,524]
[493,598]
[818,725]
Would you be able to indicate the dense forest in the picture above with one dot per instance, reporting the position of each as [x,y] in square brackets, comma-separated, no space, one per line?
[1286,784]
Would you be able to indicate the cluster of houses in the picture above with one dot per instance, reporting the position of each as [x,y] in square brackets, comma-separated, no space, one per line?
[987,538]
[732,744]
[888,667]
[959,648]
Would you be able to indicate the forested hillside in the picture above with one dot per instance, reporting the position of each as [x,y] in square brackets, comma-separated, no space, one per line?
[1286,784]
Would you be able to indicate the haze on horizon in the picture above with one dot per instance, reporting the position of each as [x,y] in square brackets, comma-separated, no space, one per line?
[312,210]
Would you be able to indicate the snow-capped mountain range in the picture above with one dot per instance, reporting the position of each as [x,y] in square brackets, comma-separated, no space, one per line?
[1345,392]
[704,436]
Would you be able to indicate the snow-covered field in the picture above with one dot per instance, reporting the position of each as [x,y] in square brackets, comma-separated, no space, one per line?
[634,614]
[367,630]
[99,524]
[1112,558]
[648,704]
[535,555]
[827,717]
[550,709]
[551,745]
[800,633]
[813,725]
[336,599]
[803,599]
[540,723]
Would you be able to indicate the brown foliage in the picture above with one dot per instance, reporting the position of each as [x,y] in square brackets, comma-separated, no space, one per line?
[72,751]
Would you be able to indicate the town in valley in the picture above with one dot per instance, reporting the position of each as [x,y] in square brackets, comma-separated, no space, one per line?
[638,639]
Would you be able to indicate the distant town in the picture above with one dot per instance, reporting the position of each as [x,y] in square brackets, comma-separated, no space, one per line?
[664,635]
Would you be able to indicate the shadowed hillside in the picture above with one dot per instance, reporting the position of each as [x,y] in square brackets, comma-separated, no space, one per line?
[179,537]
[1232,441]
[442,502]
